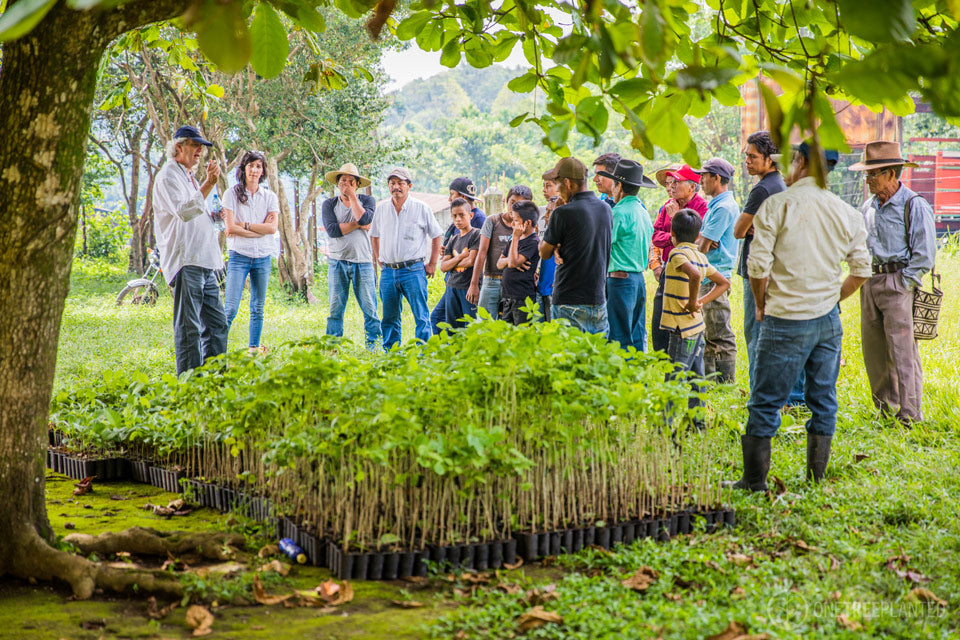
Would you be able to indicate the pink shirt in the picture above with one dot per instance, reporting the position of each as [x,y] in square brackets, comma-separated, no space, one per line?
[661,228]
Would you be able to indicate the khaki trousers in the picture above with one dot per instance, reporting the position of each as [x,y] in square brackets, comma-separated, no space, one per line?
[890,353]
[721,343]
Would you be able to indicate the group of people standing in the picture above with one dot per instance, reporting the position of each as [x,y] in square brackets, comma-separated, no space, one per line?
[581,258]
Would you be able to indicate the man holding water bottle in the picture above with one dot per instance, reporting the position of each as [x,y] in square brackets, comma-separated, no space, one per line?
[189,248]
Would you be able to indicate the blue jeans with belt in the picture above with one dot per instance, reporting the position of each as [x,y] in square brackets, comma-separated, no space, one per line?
[785,348]
[626,310]
[589,318]
[395,285]
[340,274]
[238,268]
[751,332]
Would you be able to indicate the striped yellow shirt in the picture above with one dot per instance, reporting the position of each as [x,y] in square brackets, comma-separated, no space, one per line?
[676,290]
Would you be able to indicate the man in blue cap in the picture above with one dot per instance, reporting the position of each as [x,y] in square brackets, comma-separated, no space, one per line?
[190,250]
[801,238]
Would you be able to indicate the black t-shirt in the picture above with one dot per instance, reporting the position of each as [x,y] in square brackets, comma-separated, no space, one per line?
[517,284]
[459,277]
[581,229]
[769,184]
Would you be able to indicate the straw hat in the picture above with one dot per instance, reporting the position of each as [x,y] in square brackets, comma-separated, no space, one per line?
[661,174]
[881,154]
[349,169]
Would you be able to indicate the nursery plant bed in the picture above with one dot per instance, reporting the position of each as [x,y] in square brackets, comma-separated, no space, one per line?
[166,479]
[399,564]
[104,469]
[140,471]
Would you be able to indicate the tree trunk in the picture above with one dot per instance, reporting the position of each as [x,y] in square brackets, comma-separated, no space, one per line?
[47,84]
[296,272]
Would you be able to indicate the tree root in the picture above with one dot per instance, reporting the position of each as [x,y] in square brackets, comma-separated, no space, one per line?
[149,542]
[37,559]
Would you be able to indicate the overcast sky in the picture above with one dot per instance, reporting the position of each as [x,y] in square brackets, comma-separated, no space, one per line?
[404,66]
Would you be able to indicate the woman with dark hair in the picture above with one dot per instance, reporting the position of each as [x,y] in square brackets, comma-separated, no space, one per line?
[496,233]
[251,216]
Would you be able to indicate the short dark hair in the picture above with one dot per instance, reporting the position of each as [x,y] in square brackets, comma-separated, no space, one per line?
[577,184]
[763,143]
[460,202]
[629,189]
[522,191]
[527,210]
[686,225]
[608,161]
[723,179]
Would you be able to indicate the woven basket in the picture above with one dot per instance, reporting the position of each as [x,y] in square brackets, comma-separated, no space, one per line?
[926,310]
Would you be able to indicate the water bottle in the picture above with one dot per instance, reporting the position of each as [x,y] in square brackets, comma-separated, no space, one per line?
[217,213]
[292,550]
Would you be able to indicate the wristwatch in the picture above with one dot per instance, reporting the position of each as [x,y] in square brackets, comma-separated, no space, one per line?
[246,226]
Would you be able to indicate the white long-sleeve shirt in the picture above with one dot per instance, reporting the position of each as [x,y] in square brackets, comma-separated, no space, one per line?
[801,238]
[183,226]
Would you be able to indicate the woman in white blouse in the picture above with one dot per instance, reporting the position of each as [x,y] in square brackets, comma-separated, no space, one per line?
[251,216]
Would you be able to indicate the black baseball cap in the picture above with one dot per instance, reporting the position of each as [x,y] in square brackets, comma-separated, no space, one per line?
[192,133]
[465,187]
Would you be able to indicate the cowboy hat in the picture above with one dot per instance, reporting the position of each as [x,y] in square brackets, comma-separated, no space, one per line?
[629,172]
[349,169]
[881,154]
[661,174]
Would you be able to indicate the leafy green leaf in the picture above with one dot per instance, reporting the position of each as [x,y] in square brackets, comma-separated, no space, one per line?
[451,53]
[412,25]
[651,33]
[592,118]
[525,83]
[270,45]
[223,36]
[215,90]
[22,17]
[665,125]
[878,20]
[704,78]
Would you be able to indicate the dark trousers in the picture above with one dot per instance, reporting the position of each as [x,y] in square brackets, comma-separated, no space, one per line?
[660,337]
[456,306]
[199,322]
[510,311]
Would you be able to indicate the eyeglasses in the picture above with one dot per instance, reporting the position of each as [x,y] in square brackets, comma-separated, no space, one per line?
[873,173]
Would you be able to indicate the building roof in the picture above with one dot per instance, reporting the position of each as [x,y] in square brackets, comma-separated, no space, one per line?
[437,202]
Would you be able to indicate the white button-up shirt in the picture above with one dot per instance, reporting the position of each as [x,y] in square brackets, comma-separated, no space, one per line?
[801,237]
[406,235]
[184,229]
[254,211]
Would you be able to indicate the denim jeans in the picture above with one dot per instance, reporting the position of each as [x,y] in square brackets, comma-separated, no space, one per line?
[238,268]
[589,318]
[396,284]
[659,338]
[340,273]
[490,295]
[751,331]
[456,306]
[199,324]
[626,311]
[784,349]
[687,355]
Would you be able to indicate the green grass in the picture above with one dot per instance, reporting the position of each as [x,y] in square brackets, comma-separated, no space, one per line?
[889,492]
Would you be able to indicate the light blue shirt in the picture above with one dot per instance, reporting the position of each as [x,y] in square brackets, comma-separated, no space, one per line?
[722,213]
[887,234]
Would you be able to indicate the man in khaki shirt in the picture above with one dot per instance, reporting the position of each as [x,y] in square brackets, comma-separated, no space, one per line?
[801,238]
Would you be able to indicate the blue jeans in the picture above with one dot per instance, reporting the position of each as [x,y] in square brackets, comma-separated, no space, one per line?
[238,268]
[687,355]
[456,306]
[340,273]
[784,349]
[543,302]
[396,284]
[751,331]
[490,295]
[199,325]
[626,311]
[660,338]
[589,318]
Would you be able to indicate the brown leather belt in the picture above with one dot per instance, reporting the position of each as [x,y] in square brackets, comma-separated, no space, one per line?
[888,267]
[618,274]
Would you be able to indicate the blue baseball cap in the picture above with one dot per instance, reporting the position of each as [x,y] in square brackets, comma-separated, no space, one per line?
[192,133]
[832,155]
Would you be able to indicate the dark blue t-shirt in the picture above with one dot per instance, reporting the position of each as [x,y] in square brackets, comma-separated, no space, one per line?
[517,284]
[769,184]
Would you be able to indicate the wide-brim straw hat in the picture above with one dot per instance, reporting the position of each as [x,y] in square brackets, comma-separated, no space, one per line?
[661,174]
[349,169]
[881,154]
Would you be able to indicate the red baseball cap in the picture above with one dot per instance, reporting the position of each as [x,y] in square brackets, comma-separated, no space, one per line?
[685,173]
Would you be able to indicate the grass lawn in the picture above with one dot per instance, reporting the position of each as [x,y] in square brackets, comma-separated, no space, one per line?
[873,552]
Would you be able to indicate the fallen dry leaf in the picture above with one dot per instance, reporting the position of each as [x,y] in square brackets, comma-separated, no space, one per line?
[802,545]
[476,578]
[176,505]
[276,565]
[860,457]
[781,485]
[512,589]
[925,595]
[84,486]
[200,620]
[334,593]
[739,558]
[541,595]
[260,594]
[738,591]
[673,597]
[641,580]
[407,604]
[155,613]
[515,565]
[852,625]
[736,631]
[268,550]
[537,617]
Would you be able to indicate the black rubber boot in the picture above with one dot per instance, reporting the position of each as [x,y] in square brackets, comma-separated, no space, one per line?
[818,454]
[727,371]
[756,464]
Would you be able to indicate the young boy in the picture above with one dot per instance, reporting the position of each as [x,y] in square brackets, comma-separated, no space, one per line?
[682,317]
[458,257]
[519,263]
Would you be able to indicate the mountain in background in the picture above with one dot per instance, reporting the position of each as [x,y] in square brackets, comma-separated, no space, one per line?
[445,95]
